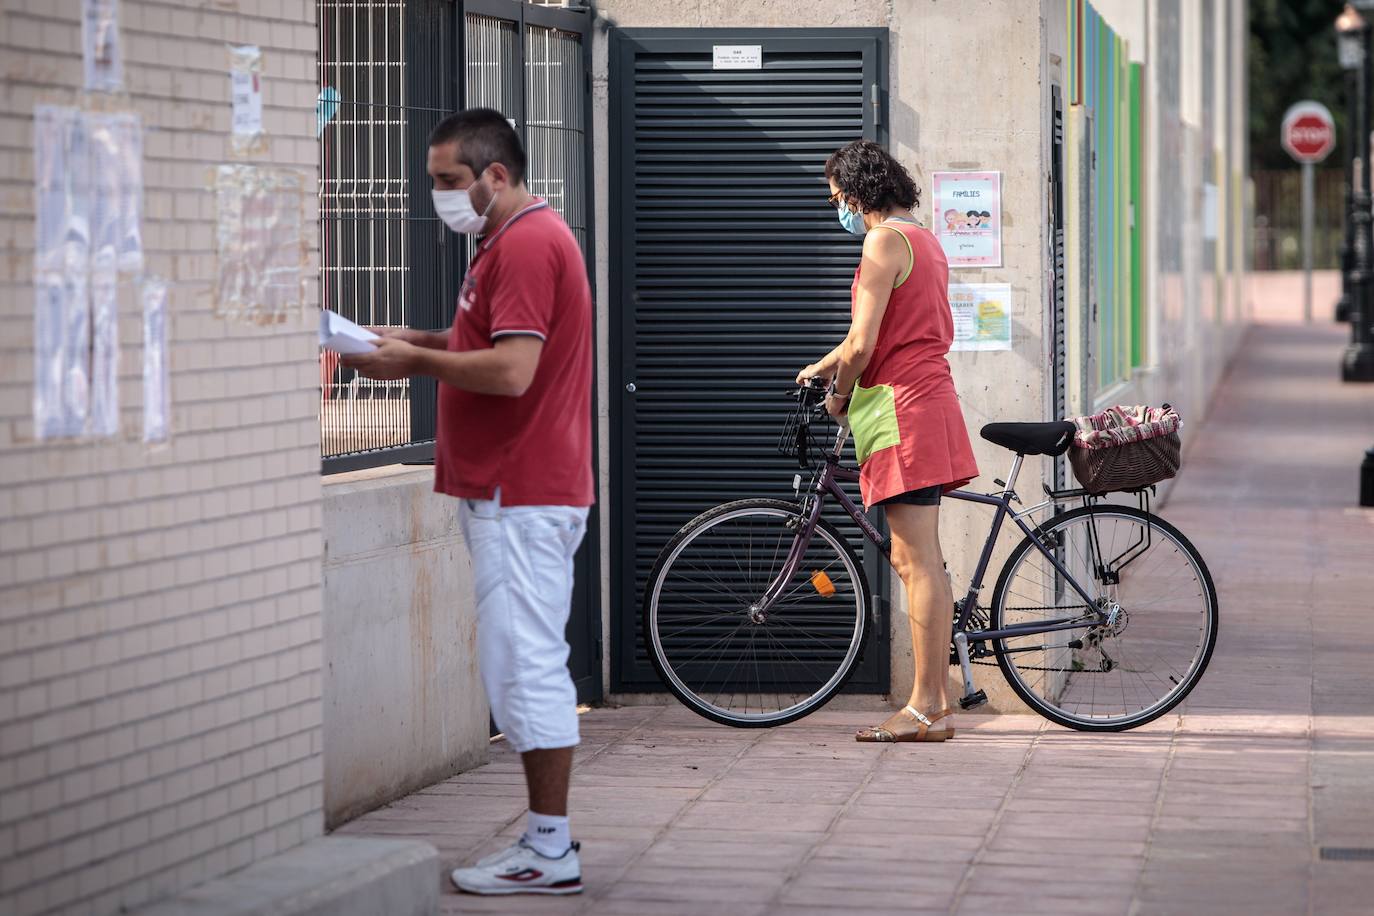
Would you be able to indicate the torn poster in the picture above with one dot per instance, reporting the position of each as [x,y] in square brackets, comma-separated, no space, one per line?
[245,91]
[260,243]
[61,344]
[88,191]
[62,330]
[116,161]
[104,419]
[156,372]
[100,47]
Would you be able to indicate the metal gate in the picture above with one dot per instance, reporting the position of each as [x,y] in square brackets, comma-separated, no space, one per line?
[387,75]
[393,69]
[532,63]
[730,274]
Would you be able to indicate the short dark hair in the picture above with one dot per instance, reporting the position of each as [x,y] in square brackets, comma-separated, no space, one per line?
[868,173]
[484,136]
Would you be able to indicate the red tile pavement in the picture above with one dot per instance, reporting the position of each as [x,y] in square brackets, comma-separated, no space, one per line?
[1220,808]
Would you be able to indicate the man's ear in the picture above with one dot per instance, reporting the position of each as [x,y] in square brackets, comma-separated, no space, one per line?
[499,176]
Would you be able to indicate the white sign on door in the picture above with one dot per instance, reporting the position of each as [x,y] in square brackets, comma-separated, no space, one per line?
[737,57]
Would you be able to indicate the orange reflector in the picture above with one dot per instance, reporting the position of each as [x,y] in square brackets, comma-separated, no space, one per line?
[821,582]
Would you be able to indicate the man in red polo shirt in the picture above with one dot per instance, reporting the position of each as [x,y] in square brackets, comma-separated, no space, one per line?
[514,446]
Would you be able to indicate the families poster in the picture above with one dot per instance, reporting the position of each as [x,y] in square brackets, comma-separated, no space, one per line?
[982,315]
[968,217]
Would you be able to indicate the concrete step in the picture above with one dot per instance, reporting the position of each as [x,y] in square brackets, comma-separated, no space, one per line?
[330,876]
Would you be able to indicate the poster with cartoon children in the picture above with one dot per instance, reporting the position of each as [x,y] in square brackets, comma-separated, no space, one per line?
[969,217]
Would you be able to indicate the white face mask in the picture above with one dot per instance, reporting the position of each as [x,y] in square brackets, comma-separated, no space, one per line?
[456,210]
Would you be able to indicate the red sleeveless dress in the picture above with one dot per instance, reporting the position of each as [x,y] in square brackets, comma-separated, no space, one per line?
[908,427]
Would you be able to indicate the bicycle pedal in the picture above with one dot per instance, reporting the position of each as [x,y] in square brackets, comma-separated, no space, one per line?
[973,700]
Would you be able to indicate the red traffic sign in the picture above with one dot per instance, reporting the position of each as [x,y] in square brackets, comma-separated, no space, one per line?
[1309,133]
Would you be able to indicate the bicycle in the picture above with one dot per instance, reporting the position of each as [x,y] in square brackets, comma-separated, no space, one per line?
[762,646]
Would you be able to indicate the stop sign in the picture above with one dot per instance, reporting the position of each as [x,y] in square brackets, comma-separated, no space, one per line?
[1309,133]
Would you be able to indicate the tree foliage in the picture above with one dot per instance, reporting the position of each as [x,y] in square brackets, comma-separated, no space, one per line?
[1292,57]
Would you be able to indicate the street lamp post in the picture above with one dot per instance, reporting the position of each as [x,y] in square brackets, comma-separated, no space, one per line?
[1350,52]
[1358,362]
[1359,356]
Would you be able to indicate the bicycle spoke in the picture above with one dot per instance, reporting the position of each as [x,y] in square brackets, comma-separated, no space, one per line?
[1156,644]
[754,670]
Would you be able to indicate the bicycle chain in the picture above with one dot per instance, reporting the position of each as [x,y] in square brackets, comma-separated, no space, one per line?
[976,661]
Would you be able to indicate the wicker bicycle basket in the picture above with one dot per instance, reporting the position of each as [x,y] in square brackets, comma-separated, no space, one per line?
[1126,448]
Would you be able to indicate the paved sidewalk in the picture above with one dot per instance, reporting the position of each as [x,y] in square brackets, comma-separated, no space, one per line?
[1220,809]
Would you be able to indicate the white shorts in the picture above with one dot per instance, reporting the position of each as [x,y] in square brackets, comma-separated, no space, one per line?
[522,565]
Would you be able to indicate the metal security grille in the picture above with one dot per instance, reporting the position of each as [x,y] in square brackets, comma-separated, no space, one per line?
[385,74]
[555,123]
[540,84]
[389,70]
[531,63]
[731,274]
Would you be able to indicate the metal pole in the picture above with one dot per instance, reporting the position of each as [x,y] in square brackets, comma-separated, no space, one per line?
[1348,236]
[1308,184]
[1358,363]
[1367,479]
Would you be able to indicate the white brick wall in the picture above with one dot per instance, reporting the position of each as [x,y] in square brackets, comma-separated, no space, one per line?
[159,609]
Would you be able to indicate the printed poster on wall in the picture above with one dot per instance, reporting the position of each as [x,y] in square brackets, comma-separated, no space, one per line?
[967,213]
[982,315]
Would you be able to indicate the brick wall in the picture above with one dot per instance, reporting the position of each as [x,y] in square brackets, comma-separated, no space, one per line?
[159,608]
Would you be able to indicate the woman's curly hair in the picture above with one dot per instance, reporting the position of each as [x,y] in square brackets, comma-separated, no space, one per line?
[868,174]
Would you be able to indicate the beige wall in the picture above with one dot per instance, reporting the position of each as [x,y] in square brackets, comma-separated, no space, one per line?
[159,608]
[942,119]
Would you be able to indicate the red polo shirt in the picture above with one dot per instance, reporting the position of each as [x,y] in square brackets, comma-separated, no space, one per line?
[528,277]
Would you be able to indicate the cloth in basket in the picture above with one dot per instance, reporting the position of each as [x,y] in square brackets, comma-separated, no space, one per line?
[1126,448]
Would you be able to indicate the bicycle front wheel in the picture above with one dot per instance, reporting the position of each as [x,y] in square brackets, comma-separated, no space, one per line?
[721,654]
[1160,628]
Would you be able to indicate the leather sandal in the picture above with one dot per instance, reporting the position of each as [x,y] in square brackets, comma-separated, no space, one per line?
[923,733]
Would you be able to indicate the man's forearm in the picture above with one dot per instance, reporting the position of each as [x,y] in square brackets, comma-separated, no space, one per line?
[481,371]
[434,340]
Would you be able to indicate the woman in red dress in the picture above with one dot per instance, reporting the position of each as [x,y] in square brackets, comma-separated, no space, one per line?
[891,377]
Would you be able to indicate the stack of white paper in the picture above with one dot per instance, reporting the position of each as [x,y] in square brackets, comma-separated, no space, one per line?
[339,334]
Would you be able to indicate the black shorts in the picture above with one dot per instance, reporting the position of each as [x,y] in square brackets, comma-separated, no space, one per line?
[926,496]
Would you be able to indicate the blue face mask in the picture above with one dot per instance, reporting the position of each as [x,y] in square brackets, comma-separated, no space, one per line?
[851,221]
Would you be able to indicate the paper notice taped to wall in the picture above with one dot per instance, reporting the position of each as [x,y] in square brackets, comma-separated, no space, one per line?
[88,190]
[100,46]
[982,316]
[156,372]
[116,157]
[61,340]
[260,243]
[245,92]
[104,418]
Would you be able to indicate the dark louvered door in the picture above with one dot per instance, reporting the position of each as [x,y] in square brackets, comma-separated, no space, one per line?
[729,273]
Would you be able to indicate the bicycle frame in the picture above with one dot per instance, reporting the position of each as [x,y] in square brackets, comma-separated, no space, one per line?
[827,483]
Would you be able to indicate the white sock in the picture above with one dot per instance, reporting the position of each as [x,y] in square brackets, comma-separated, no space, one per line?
[548,834]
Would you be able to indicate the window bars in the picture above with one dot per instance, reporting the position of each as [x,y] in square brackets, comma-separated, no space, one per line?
[364,195]
[384,73]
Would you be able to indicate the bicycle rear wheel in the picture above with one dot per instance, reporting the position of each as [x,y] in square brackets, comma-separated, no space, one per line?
[707,638]
[1162,604]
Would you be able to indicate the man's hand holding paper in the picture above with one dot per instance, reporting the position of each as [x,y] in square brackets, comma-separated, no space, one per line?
[391,358]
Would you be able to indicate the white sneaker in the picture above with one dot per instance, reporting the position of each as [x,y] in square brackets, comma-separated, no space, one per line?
[522,870]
